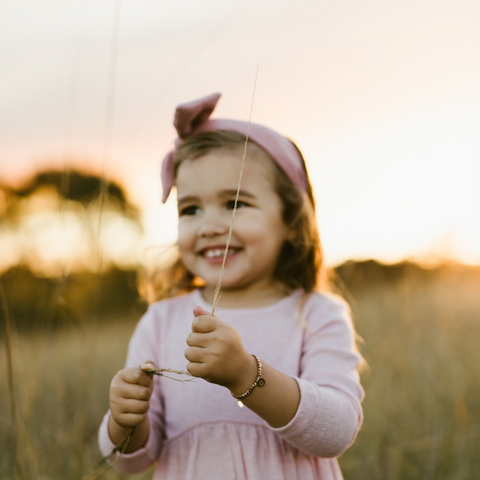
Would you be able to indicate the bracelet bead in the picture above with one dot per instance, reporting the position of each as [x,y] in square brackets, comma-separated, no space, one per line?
[259,382]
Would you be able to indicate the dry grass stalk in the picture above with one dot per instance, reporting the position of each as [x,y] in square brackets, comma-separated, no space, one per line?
[109,111]
[11,384]
[160,372]
[216,296]
[120,448]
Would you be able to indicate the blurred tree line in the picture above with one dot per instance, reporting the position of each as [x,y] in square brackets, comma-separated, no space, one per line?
[43,303]
[57,269]
[51,292]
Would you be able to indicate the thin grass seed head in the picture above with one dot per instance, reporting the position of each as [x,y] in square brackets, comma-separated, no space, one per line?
[160,373]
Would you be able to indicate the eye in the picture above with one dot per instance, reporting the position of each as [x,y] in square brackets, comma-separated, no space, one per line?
[190,210]
[231,204]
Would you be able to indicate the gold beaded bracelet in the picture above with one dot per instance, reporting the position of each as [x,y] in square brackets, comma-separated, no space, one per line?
[259,381]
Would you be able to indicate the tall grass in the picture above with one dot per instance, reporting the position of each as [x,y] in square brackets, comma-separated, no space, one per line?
[422,405]
[62,379]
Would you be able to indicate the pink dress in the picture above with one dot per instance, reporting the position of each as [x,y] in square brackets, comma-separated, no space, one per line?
[198,431]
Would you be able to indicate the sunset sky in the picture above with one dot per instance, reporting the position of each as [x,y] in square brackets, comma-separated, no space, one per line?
[382,97]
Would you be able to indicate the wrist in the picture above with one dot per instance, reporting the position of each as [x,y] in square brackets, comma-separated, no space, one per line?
[245,376]
[117,434]
[113,425]
[116,422]
[259,382]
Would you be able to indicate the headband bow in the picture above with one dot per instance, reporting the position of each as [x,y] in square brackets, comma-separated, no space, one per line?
[193,118]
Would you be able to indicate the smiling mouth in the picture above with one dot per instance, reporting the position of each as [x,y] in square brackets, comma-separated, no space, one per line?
[218,252]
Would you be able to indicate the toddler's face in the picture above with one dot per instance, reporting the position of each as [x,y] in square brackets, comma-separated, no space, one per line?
[206,189]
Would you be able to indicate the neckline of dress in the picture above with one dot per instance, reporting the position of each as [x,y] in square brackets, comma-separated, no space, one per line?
[199,300]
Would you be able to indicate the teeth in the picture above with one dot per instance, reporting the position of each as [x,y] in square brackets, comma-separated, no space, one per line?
[217,252]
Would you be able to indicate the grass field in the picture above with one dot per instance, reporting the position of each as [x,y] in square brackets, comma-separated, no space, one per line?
[421,333]
[422,405]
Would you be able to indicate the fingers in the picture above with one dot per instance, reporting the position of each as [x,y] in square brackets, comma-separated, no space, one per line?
[205,323]
[197,369]
[197,311]
[198,339]
[136,376]
[132,392]
[134,407]
[195,354]
[129,413]
[148,365]
[128,420]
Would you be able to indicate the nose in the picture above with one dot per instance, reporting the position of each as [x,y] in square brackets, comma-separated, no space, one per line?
[212,225]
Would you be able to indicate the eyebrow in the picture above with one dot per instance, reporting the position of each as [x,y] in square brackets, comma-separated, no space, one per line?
[228,192]
[242,193]
[188,198]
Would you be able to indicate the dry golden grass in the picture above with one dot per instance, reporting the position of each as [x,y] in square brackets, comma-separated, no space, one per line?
[422,405]
[422,414]
[62,381]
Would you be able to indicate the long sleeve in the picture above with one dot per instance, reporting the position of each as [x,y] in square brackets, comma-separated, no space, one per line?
[141,348]
[197,429]
[329,414]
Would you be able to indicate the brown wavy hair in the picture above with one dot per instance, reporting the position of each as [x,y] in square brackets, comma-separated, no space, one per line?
[300,263]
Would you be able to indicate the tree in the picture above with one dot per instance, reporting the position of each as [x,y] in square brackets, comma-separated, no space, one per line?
[50,249]
[60,221]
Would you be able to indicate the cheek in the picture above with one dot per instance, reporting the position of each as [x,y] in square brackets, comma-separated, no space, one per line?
[186,235]
[252,230]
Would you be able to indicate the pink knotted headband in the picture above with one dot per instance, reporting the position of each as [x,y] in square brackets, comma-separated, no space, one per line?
[194,117]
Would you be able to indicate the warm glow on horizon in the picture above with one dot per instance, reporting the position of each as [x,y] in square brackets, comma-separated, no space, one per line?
[383,100]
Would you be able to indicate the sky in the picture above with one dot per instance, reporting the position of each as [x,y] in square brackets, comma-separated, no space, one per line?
[382,97]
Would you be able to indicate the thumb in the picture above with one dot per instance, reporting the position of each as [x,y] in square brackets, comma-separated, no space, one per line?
[148,366]
[197,311]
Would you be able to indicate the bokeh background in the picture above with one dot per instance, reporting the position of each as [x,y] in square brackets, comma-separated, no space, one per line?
[382,97]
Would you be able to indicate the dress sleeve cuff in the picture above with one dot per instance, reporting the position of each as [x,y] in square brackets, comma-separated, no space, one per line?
[301,419]
[325,423]
[134,462]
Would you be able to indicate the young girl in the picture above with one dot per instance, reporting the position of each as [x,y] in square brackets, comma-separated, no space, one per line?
[278,343]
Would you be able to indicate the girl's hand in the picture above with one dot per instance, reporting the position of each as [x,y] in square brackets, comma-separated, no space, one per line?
[216,353]
[130,393]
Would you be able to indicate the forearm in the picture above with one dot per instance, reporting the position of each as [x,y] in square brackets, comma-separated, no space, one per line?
[118,434]
[277,401]
[325,423]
